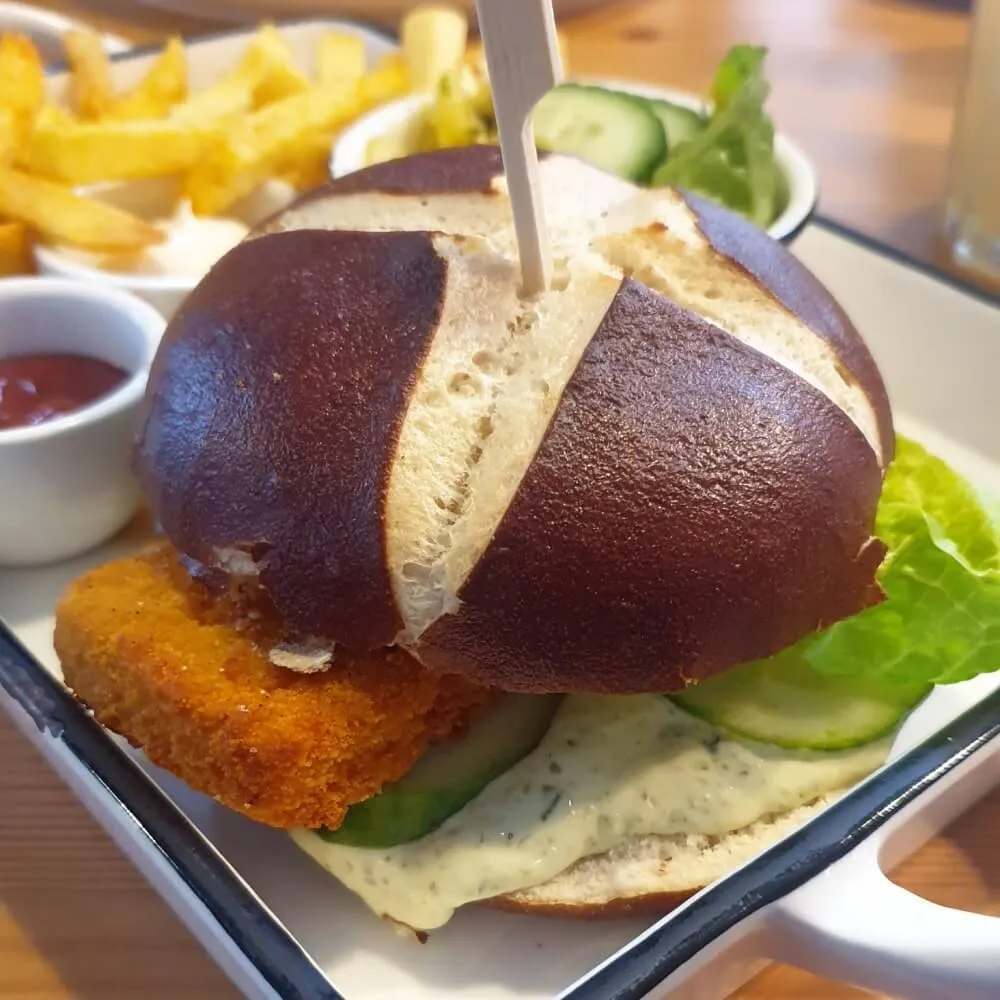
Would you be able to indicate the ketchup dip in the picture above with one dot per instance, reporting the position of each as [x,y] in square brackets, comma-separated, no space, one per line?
[35,388]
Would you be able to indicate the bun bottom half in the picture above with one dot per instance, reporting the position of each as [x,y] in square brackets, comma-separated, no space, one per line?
[652,875]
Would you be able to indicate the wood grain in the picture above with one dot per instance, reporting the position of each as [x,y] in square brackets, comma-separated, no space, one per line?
[867,87]
[76,919]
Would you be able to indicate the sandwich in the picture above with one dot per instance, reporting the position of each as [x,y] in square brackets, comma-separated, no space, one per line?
[565,604]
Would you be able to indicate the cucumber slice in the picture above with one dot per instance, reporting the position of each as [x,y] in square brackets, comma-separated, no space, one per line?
[786,703]
[449,775]
[679,123]
[615,131]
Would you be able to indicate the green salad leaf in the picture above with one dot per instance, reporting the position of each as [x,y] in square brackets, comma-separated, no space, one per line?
[731,160]
[940,622]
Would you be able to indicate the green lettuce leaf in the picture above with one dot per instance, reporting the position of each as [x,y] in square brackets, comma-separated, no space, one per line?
[731,160]
[941,620]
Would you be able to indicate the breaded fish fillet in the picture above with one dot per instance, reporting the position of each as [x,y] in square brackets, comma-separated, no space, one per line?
[181,677]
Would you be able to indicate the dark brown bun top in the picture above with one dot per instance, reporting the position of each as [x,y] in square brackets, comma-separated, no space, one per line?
[272,413]
[693,503]
[470,169]
[800,291]
[474,169]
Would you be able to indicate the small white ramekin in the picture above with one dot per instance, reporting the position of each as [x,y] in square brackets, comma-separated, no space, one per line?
[350,150]
[66,484]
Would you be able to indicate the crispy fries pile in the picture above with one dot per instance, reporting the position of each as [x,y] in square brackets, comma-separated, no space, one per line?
[264,118]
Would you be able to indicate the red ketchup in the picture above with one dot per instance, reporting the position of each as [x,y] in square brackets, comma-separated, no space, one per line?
[39,387]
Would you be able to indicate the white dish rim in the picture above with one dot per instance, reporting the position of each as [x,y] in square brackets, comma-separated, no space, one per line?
[347,154]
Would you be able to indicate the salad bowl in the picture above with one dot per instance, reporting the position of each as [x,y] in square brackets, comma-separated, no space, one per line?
[350,152]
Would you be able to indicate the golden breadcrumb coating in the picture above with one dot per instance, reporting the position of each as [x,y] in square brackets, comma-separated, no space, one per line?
[178,674]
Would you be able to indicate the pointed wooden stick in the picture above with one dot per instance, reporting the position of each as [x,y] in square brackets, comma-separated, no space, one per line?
[522,56]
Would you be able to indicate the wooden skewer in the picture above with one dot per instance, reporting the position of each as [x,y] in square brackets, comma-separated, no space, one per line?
[522,56]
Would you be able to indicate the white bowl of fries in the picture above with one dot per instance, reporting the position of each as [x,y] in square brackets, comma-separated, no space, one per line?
[106,161]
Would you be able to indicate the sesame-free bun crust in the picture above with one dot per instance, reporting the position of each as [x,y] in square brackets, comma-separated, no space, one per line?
[666,465]
[272,416]
[793,285]
[468,170]
[733,487]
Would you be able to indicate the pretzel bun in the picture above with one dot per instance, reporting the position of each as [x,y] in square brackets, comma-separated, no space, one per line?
[665,465]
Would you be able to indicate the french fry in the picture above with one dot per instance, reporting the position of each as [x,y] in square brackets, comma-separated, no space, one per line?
[280,78]
[272,140]
[48,117]
[307,173]
[250,149]
[89,152]
[229,96]
[15,249]
[281,81]
[265,71]
[308,165]
[10,135]
[22,83]
[61,216]
[163,86]
[232,94]
[90,80]
[433,44]
[52,116]
[412,138]
[387,81]
[340,58]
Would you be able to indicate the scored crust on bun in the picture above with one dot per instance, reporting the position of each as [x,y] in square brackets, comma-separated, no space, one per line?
[436,510]
[774,460]
[789,281]
[267,444]
[324,401]
[702,250]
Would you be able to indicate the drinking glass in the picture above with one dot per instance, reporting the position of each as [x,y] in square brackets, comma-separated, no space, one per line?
[973,199]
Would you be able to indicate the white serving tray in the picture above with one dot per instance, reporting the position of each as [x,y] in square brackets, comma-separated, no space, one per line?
[266,912]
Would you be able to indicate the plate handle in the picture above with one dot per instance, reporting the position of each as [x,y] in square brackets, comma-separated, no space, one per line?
[853,924]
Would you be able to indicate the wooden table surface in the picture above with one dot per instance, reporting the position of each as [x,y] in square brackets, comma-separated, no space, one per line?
[867,88]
